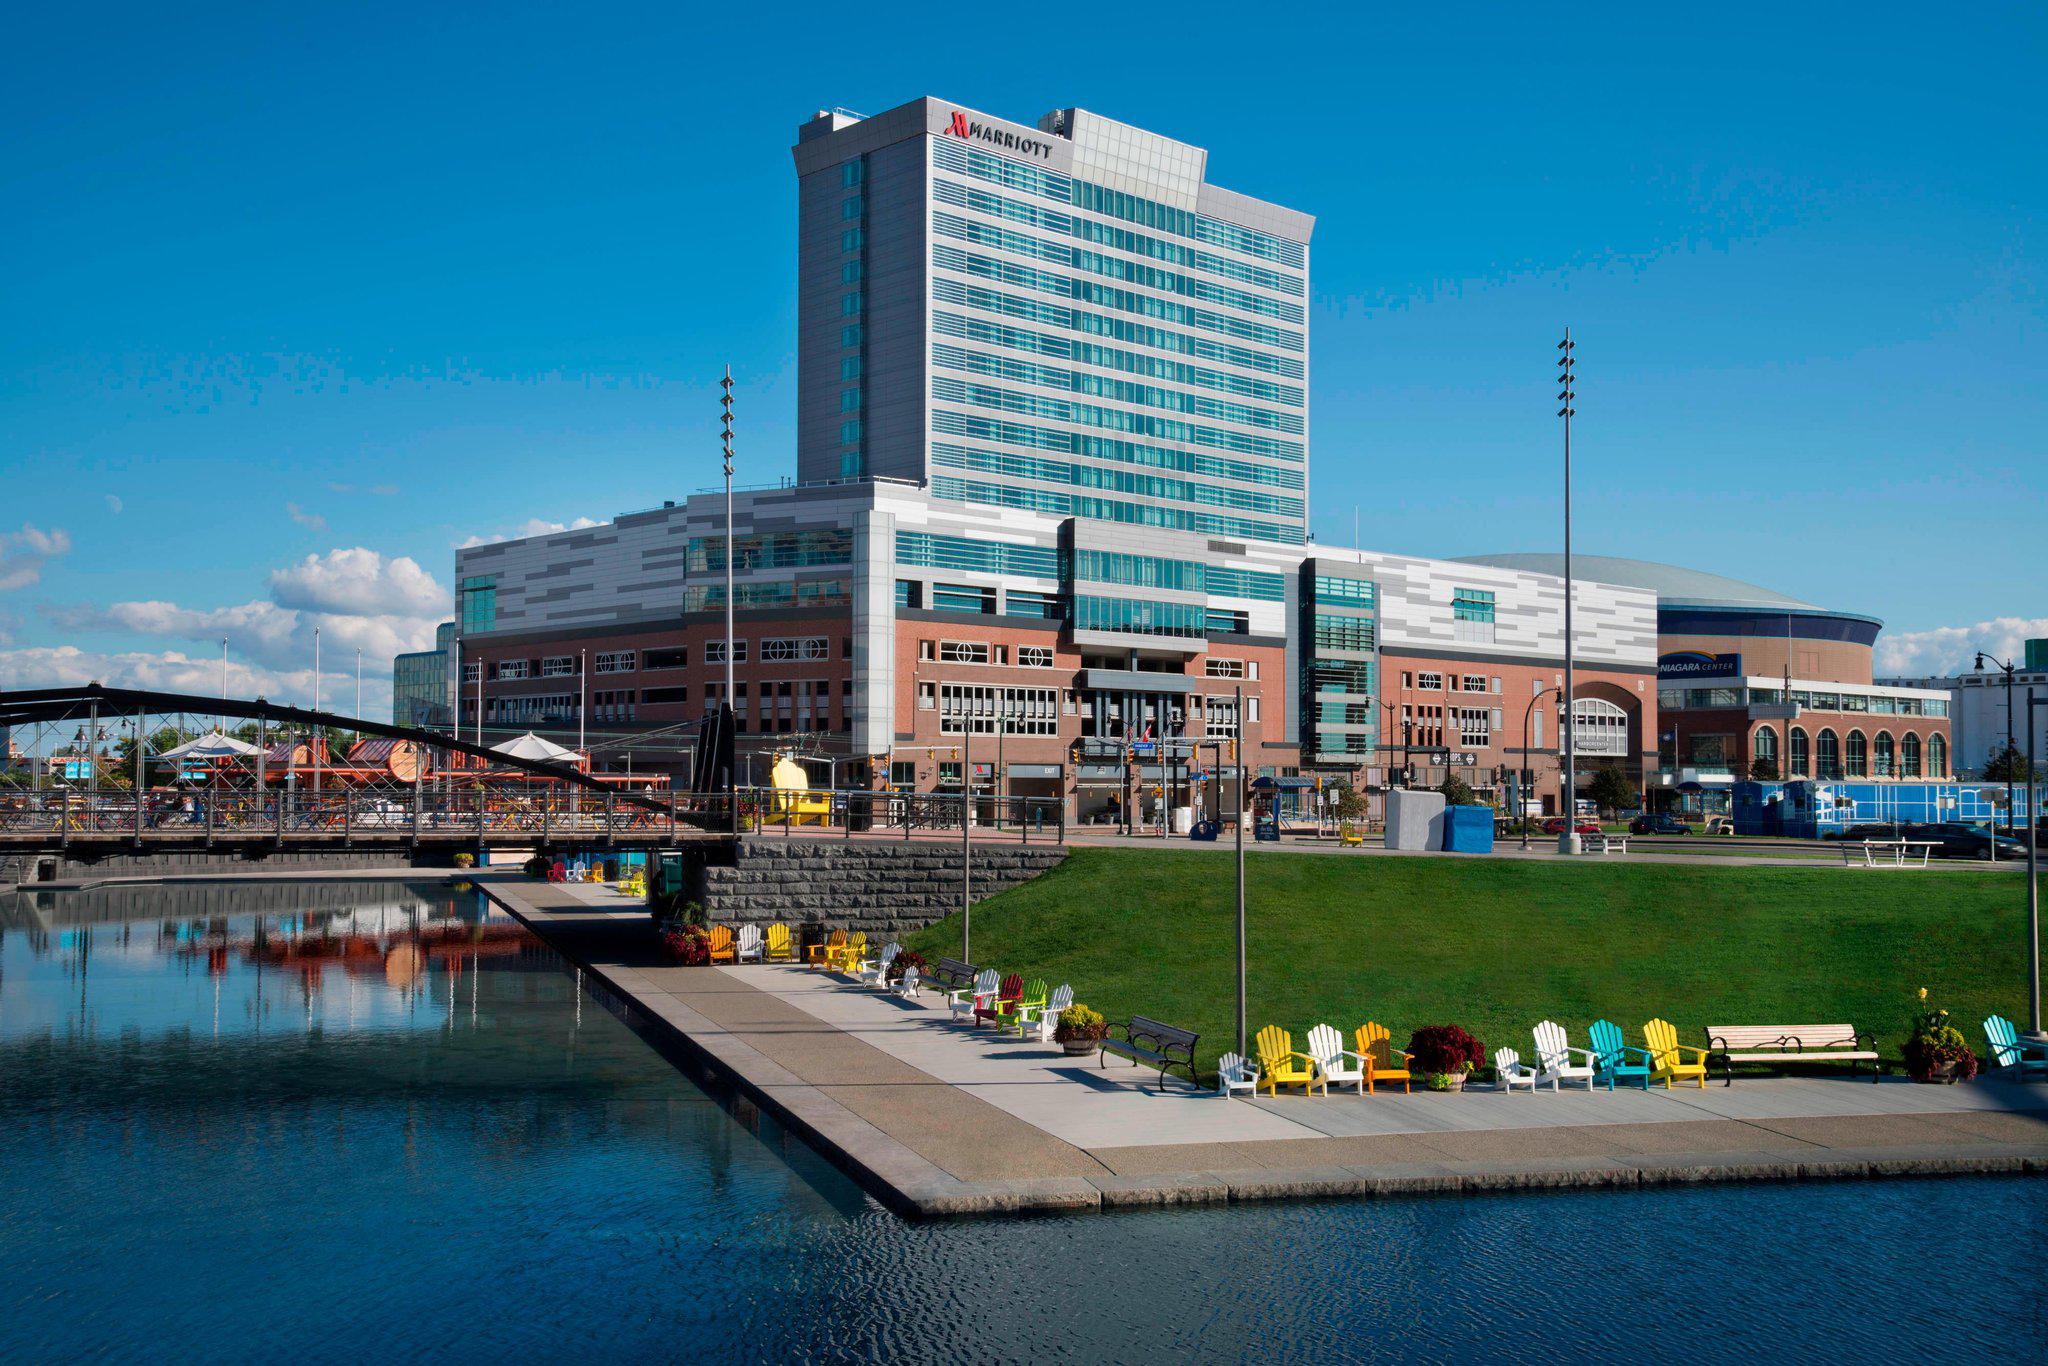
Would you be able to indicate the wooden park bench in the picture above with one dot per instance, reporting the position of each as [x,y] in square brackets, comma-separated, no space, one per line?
[1791,1043]
[1149,1041]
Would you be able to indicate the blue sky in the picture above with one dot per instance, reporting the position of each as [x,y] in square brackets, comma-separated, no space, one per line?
[300,300]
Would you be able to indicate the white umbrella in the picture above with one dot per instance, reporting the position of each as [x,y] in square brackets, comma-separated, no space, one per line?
[533,748]
[212,745]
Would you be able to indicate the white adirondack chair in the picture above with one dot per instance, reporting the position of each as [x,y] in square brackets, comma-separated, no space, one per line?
[1234,1074]
[876,974]
[907,985]
[965,999]
[1326,1046]
[1554,1058]
[747,948]
[1510,1072]
[1042,1022]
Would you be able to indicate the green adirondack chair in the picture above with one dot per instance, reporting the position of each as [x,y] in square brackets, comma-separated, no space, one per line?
[2008,1049]
[1027,1006]
[1611,1056]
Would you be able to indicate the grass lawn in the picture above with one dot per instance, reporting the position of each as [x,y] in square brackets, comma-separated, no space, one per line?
[1496,945]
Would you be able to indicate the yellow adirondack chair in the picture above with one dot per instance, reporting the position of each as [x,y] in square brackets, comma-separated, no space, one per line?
[1280,1065]
[850,953]
[775,948]
[1376,1046]
[1350,836]
[1665,1060]
[721,944]
[822,955]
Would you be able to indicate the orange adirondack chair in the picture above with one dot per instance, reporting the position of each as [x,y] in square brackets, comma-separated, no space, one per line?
[823,955]
[1377,1048]
[721,944]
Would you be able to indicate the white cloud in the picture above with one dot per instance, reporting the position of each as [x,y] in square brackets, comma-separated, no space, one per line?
[312,521]
[1953,649]
[355,598]
[532,526]
[23,554]
[114,503]
[359,582]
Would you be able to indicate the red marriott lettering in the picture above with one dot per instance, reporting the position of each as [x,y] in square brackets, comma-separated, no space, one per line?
[963,127]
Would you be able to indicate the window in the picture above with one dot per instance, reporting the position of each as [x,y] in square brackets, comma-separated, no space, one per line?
[1127,616]
[676,658]
[849,400]
[785,649]
[1937,756]
[927,696]
[1473,683]
[1020,602]
[1034,656]
[1217,623]
[851,208]
[1909,756]
[1599,729]
[1829,757]
[558,666]
[850,240]
[659,696]
[991,710]
[849,304]
[714,652]
[1223,668]
[1429,682]
[1333,632]
[956,597]
[1251,708]
[1795,766]
[1857,755]
[1884,753]
[509,669]
[849,430]
[479,598]
[1219,718]
[1344,590]
[964,651]
[903,774]
[1764,748]
[849,368]
[1472,615]
[473,672]
[1475,729]
[849,335]
[909,593]
[851,173]
[849,274]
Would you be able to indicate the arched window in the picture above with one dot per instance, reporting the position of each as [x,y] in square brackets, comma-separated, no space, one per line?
[1858,755]
[1937,756]
[1763,750]
[1883,754]
[1599,729]
[1797,767]
[1828,762]
[1909,756]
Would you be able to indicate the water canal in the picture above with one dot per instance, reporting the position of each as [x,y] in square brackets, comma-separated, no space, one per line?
[338,1120]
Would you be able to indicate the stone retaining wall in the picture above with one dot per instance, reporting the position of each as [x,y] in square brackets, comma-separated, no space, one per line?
[876,887]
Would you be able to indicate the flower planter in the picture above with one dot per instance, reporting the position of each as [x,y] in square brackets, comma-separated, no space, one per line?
[1942,1073]
[1080,1048]
[1444,1081]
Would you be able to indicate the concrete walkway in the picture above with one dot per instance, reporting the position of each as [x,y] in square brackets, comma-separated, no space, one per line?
[935,1117]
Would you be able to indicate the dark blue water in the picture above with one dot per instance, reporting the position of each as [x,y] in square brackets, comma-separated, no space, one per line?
[384,1126]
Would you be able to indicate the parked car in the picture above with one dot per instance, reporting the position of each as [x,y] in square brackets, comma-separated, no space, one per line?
[1658,823]
[1956,839]
[1555,826]
[1868,830]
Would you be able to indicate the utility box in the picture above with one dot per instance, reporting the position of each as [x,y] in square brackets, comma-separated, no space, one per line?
[1468,829]
[1415,820]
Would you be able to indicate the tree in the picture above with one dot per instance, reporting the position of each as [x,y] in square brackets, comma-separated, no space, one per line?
[1611,789]
[2007,766]
[1350,804]
[1764,769]
[1457,792]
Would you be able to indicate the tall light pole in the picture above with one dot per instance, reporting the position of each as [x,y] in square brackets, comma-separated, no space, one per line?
[2034,1031]
[1239,837]
[1568,842]
[583,703]
[726,401]
[1528,761]
[359,687]
[314,748]
[2008,668]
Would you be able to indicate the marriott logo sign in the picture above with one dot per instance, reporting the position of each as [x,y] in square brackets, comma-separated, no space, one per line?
[964,127]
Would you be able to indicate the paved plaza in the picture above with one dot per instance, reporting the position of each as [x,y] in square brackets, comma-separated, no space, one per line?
[935,1116]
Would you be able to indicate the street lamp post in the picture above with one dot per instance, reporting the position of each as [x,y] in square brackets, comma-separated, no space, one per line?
[726,402]
[1568,842]
[1528,765]
[2008,668]
[1239,838]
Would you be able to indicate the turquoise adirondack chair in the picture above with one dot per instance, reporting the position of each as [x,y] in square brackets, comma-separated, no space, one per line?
[1611,1056]
[2008,1049]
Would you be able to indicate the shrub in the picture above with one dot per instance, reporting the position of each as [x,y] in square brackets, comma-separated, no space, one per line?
[538,865]
[1932,1042]
[465,860]
[905,960]
[1443,1049]
[1079,1023]
[686,944]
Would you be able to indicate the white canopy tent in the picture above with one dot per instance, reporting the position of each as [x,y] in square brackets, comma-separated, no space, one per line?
[534,749]
[212,745]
